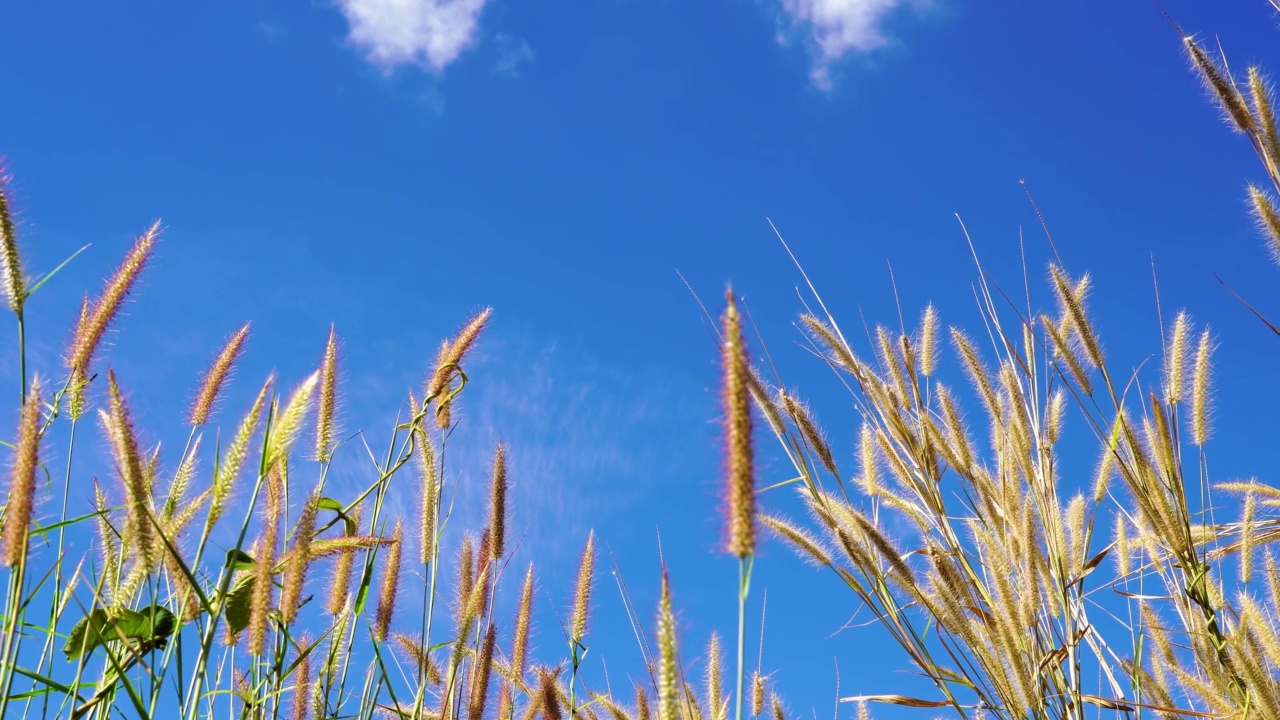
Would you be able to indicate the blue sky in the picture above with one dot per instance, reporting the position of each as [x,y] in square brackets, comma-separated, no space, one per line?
[392,166]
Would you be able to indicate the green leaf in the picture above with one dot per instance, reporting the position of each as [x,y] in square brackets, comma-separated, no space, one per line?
[326,503]
[151,627]
[239,560]
[237,605]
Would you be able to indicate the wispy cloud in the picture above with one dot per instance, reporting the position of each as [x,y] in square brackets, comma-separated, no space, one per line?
[512,54]
[426,33]
[837,28]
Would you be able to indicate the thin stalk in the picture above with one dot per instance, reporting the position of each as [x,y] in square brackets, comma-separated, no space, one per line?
[744,584]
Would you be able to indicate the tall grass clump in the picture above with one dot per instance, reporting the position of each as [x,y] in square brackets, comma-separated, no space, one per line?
[233,579]
[1019,586]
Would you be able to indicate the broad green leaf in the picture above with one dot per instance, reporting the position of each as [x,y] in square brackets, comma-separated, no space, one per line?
[239,560]
[151,627]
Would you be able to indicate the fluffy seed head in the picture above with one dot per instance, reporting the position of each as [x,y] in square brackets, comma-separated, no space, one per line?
[1222,89]
[225,479]
[582,593]
[466,576]
[132,475]
[481,673]
[22,480]
[328,398]
[341,583]
[450,358]
[549,696]
[668,681]
[498,504]
[520,642]
[289,421]
[757,693]
[264,566]
[803,543]
[1268,218]
[216,377]
[803,419]
[1261,99]
[295,574]
[715,679]
[89,333]
[390,583]
[740,481]
[1200,401]
[1175,359]
[929,341]
[302,681]
[12,282]
[430,505]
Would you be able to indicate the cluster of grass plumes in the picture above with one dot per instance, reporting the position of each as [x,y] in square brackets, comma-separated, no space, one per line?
[303,615]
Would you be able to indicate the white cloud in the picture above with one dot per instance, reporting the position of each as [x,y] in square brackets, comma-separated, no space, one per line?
[427,33]
[512,53]
[838,28]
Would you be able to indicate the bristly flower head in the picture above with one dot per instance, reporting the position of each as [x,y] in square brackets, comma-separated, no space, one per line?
[498,504]
[217,377]
[448,361]
[328,398]
[582,594]
[735,394]
[1219,85]
[89,332]
[22,485]
[12,281]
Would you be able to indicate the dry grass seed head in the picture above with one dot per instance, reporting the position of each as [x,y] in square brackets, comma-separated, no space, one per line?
[288,423]
[582,591]
[216,377]
[328,398]
[233,460]
[466,575]
[341,582]
[807,547]
[520,641]
[1200,400]
[264,566]
[1175,359]
[390,585]
[430,506]
[12,281]
[1268,218]
[1261,99]
[448,362]
[481,673]
[803,419]
[22,479]
[714,679]
[498,504]
[740,480]
[89,333]
[1223,90]
[133,477]
[1072,305]
[929,340]
[757,693]
[302,682]
[668,684]
[295,573]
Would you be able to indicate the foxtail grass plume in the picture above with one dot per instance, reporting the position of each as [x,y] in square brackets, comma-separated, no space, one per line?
[233,459]
[1219,86]
[466,575]
[740,480]
[132,476]
[520,641]
[757,693]
[1261,99]
[1175,359]
[89,333]
[668,679]
[22,481]
[216,377]
[715,679]
[929,341]
[1200,400]
[803,419]
[430,481]
[480,675]
[289,421]
[340,585]
[448,362]
[1268,218]
[328,398]
[302,682]
[549,696]
[265,563]
[295,574]
[12,281]
[498,504]
[390,584]
[582,593]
